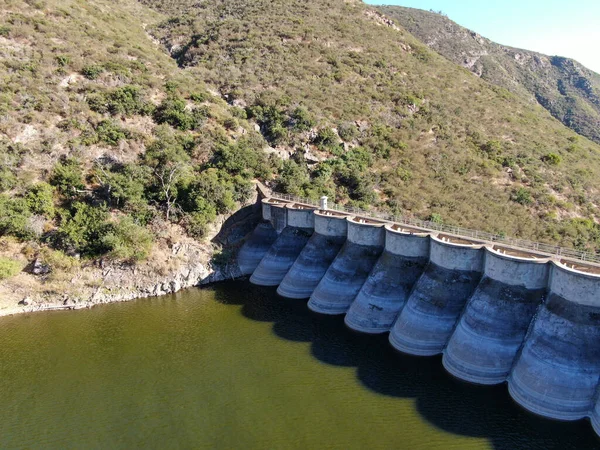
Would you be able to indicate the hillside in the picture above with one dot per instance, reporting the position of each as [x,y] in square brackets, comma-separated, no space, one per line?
[564,87]
[417,134]
[128,127]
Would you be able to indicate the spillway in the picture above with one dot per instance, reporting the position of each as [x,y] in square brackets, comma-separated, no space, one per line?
[492,328]
[439,296]
[557,372]
[259,242]
[389,284]
[309,268]
[348,272]
[279,258]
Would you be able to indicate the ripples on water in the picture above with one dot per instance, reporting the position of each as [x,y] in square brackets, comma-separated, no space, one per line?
[235,366]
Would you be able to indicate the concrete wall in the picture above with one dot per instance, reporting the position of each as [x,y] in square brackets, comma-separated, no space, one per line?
[384,294]
[557,372]
[492,328]
[256,247]
[276,213]
[316,257]
[348,272]
[279,259]
[438,298]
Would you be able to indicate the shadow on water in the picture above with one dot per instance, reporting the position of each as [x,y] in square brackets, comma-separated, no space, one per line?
[456,407]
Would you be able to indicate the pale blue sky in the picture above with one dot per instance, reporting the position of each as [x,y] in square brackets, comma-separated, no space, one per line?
[555,27]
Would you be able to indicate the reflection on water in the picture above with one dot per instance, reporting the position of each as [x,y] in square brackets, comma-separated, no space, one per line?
[236,366]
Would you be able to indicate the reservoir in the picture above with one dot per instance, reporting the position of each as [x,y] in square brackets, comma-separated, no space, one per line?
[236,366]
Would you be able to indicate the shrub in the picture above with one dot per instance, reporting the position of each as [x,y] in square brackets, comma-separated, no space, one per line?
[14,217]
[63,60]
[92,72]
[83,229]
[522,196]
[67,177]
[127,241]
[126,100]
[58,260]
[111,133]
[347,131]
[4,30]
[301,120]
[9,268]
[552,159]
[326,138]
[40,199]
[172,111]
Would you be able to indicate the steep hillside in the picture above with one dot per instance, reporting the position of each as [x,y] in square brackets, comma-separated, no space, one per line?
[108,151]
[417,133]
[563,86]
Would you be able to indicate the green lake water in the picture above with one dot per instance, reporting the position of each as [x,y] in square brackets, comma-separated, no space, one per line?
[237,367]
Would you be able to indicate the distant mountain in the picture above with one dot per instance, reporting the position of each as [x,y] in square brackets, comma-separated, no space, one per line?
[564,87]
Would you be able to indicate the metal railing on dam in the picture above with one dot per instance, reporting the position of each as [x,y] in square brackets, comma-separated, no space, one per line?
[551,250]
[496,310]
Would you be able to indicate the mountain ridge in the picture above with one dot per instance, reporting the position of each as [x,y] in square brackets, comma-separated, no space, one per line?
[566,88]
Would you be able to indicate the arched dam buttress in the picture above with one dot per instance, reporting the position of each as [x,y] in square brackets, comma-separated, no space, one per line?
[299,227]
[493,325]
[389,284]
[259,242]
[348,272]
[556,374]
[331,229]
[425,325]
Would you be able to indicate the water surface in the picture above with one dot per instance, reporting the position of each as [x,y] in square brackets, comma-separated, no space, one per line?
[235,366]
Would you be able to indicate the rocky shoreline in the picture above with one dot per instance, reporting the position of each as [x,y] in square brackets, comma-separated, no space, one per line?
[177,262]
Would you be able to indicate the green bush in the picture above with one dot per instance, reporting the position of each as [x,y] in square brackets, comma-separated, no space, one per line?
[111,133]
[14,217]
[126,101]
[552,159]
[67,177]
[4,30]
[326,138]
[63,60]
[522,196]
[301,120]
[40,199]
[173,111]
[83,228]
[347,131]
[9,268]
[127,241]
[92,72]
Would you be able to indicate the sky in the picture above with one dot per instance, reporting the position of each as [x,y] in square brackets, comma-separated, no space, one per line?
[568,28]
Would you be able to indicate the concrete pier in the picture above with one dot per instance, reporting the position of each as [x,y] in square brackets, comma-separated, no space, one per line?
[331,229]
[275,211]
[492,328]
[299,227]
[256,247]
[557,372]
[350,269]
[438,298]
[388,286]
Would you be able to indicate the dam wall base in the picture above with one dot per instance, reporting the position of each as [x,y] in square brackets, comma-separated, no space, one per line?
[495,313]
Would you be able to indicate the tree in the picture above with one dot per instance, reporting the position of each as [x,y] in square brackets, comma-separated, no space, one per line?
[170,164]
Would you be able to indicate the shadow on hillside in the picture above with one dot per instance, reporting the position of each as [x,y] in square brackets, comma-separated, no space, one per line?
[447,403]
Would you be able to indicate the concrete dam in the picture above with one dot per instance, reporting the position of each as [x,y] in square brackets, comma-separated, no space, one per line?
[495,313]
